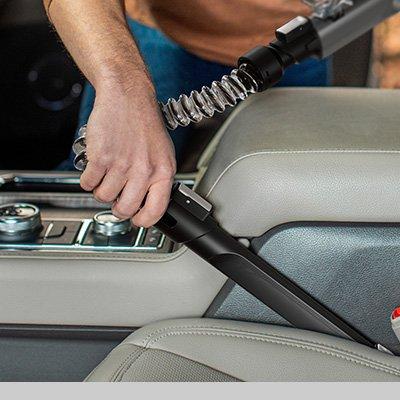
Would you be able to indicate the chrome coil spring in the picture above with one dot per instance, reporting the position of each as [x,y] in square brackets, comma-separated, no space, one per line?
[236,86]
[79,148]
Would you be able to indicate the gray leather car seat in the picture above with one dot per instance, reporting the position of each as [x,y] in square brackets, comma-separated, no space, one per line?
[210,350]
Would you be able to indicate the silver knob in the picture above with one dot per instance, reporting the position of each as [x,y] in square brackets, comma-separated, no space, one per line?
[19,220]
[105,223]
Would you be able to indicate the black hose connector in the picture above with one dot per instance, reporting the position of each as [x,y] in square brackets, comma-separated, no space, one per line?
[294,42]
[258,70]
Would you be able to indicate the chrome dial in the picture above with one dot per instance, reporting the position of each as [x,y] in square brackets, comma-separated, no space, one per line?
[105,223]
[19,220]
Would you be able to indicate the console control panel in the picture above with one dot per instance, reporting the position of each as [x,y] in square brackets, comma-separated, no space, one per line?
[23,228]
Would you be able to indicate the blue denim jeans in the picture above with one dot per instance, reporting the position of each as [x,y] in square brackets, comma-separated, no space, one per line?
[174,71]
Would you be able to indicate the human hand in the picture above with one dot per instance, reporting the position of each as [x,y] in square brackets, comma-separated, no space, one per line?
[131,159]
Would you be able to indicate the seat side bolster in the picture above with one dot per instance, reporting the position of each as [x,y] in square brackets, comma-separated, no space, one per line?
[256,352]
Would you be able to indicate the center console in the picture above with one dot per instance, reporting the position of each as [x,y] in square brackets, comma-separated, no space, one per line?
[66,260]
[49,212]
[21,227]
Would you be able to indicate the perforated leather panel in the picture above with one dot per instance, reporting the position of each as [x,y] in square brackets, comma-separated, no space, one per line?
[162,366]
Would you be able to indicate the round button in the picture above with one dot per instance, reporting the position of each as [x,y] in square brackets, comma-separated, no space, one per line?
[105,223]
[19,220]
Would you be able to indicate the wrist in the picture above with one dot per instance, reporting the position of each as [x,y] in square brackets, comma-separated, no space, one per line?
[124,79]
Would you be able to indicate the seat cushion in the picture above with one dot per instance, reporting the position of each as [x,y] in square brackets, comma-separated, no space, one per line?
[217,350]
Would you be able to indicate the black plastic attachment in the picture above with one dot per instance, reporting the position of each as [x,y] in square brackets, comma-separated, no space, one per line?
[294,42]
[188,220]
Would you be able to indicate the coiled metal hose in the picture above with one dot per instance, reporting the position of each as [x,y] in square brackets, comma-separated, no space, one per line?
[238,85]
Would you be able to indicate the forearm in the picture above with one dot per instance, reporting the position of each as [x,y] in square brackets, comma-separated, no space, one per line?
[97,36]
[130,155]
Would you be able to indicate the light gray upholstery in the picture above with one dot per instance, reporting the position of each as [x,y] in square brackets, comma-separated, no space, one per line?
[105,289]
[153,365]
[306,155]
[360,260]
[217,350]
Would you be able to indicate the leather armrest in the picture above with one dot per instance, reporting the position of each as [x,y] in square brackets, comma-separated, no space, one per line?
[306,154]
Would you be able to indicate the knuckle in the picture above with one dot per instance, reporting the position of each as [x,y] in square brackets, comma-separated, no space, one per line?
[103,196]
[147,170]
[141,221]
[99,162]
[86,183]
[120,163]
[121,167]
[124,210]
[167,170]
[157,210]
[147,219]
[98,159]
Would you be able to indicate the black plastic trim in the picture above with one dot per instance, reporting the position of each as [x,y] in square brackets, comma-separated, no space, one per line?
[64,332]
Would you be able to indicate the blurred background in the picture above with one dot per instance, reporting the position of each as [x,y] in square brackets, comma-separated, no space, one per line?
[40,86]
[40,89]
[386,65]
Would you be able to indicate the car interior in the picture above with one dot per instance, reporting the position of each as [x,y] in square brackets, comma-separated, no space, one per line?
[304,179]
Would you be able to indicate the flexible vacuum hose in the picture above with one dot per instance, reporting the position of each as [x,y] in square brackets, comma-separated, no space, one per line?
[238,85]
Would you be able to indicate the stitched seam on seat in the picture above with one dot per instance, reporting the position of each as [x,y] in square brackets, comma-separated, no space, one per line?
[108,357]
[292,152]
[128,364]
[364,361]
[102,363]
[126,360]
[146,341]
[379,366]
